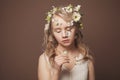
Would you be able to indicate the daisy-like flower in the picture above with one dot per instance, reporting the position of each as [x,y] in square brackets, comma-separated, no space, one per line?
[69,8]
[70,23]
[76,16]
[48,17]
[77,8]
[54,9]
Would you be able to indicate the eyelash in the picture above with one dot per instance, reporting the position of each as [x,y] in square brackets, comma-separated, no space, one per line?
[58,31]
[67,29]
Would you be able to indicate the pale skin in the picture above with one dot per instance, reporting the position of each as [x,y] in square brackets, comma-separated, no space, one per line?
[59,33]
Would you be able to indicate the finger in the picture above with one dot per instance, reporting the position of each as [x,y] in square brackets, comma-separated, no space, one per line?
[62,61]
[61,57]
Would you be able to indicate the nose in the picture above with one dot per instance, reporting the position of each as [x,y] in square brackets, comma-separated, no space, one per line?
[64,35]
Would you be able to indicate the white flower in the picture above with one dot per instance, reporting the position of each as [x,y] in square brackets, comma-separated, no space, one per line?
[54,9]
[69,9]
[46,27]
[48,17]
[77,8]
[65,52]
[49,14]
[76,16]
[63,8]
[70,23]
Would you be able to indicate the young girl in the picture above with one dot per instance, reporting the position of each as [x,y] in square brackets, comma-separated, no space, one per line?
[66,56]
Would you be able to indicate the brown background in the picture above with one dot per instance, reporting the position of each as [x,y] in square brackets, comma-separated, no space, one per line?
[21,30]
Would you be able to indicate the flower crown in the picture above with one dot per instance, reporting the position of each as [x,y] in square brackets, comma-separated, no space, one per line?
[76,16]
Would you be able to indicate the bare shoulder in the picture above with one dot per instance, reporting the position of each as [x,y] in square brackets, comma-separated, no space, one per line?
[91,70]
[90,63]
[41,58]
[43,69]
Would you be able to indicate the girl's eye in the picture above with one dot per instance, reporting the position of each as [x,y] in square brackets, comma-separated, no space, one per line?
[68,29]
[58,30]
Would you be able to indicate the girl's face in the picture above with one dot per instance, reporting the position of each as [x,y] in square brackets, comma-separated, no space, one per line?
[63,33]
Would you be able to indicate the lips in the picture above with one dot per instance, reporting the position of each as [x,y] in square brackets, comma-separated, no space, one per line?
[66,41]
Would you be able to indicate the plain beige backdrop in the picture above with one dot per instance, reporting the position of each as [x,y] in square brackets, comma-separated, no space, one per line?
[21,29]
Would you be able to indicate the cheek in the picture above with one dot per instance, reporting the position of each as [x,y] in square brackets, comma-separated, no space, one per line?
[57,36]
[72,33]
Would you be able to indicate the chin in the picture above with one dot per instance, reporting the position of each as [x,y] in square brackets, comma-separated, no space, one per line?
[66,44]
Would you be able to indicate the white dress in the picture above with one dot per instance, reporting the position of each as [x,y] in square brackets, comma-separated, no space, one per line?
[78,72]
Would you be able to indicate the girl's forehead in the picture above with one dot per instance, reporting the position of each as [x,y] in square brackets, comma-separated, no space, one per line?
[58,21]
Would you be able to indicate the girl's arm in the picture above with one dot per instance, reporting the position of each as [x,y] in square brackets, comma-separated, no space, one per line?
[44,72]
[91,71]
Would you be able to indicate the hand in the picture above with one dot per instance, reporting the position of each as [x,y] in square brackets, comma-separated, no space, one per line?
[60,60]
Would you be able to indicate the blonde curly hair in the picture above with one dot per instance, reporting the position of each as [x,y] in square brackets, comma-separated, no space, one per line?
[51,43]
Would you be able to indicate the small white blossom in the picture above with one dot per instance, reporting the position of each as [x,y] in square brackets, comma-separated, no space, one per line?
[49,15]
[69,9]
[54,9]
[65,52]
[70,23]
[76,16]
[77,8]
[63,8]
